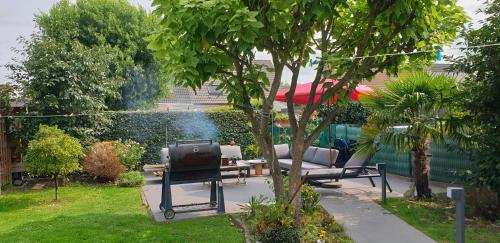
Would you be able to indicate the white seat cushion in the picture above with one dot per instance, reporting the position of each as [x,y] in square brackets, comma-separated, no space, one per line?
[286,164]
[231,151]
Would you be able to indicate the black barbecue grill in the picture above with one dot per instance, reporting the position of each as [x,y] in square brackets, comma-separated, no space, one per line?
[193,161]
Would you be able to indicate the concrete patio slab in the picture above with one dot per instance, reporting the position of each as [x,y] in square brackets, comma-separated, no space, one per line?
[235,194]
[352,205]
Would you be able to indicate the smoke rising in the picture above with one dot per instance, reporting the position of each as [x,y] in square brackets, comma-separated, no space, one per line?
[196,125]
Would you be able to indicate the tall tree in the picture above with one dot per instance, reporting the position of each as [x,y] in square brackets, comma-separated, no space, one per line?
[68,78]
[426,105]
[201,40]
[482,85]
[118,27]
[6,94]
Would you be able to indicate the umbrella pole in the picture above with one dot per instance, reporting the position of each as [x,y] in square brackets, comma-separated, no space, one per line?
[330,137]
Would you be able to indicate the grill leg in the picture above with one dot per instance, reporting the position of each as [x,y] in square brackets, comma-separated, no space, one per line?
[213,194]
[166,194]
[221,206]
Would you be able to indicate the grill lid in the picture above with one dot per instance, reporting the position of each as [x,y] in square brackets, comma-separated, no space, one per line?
[194,159]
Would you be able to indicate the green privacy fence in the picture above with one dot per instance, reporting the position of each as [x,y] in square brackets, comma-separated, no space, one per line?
[446,165]
[346,132]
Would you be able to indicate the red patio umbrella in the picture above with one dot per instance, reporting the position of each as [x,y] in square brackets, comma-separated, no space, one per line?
[302,93]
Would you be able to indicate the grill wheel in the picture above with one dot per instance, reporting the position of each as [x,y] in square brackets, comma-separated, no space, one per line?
[169,214]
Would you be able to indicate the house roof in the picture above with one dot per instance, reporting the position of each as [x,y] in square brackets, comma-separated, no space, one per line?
[380,78]
[208,93]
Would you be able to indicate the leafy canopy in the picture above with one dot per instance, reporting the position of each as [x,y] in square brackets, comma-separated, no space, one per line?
[68,78]
[218,39]
[482,89]
[199,40]
[52,152]
[86,30]
[6,93]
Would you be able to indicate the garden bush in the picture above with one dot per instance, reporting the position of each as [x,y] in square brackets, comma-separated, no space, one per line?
[129,152]
[131,179]
[281,234]
[102,162]
[482,202]
[310,199]
[273,221]
[272,216]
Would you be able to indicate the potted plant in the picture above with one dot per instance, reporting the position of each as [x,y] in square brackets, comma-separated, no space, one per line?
[282,120]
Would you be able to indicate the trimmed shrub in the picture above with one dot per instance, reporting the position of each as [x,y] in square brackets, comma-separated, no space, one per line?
[281,234]
[129,153]
[131,179]
[101,161]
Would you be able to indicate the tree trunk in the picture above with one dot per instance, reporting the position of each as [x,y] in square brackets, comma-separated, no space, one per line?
[295,174]
[421,168]
[267,148]
[56,184]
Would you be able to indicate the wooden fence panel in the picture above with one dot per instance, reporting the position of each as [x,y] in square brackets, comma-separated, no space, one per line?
[5,160]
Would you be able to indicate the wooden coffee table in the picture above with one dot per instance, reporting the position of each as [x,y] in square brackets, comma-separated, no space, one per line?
[258,165]
[239,166]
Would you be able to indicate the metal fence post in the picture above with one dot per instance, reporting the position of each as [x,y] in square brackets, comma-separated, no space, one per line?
[382,170]
[457,194]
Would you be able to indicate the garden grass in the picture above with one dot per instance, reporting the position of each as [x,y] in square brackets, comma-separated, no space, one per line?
[99,214]
[436,219]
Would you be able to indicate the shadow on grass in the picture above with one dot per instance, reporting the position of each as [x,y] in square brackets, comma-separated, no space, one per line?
[122,228]
[14,204]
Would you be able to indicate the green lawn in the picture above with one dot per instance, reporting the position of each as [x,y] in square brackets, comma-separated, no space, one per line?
[99,213]
[436,218]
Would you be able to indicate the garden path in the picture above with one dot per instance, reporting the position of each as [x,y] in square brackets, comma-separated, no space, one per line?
[366,221]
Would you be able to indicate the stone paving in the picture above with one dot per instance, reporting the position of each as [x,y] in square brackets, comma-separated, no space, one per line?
[235,194]
[352,205]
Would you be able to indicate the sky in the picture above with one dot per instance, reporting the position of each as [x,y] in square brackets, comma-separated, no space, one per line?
[16,19]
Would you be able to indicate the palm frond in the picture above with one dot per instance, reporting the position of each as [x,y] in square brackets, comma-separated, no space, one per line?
[421,101]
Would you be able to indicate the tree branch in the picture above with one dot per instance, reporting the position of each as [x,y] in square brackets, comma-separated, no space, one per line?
[317,130]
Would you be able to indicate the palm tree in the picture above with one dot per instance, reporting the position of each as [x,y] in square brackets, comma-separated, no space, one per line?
[410,113]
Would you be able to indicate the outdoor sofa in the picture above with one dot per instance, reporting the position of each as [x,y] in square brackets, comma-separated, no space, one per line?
[316,170]
[314,157]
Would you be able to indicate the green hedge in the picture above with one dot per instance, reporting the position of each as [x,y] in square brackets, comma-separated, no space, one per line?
[348,113]
[149,129]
